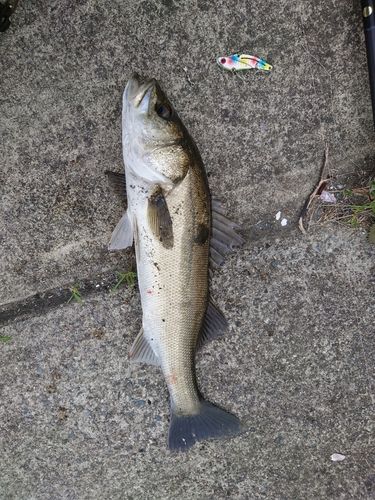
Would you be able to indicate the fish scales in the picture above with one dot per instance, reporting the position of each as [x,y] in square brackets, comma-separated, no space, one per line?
[174,292]
[169,218]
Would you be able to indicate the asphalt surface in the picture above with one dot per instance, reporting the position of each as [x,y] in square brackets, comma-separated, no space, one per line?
[77,421]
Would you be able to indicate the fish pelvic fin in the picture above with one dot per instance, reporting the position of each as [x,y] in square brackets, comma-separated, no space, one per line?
[210,423]
[214,324]
[122,236]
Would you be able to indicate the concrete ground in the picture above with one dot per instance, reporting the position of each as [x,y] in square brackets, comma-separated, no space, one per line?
[297,366]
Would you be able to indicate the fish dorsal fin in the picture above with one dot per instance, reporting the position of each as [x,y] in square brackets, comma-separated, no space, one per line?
[117,183]
[122,236]
[214,324]
[159,218]
[223,237]
[142,352]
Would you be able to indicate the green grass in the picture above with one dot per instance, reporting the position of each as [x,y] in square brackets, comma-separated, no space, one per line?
[76,294]
[353,221]
[129,277]
[368,207]
[357,209]
[4,339]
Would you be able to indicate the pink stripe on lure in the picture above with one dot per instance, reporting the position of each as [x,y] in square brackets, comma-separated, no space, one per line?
[240,62]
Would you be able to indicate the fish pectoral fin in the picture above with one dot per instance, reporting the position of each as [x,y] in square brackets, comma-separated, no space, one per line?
[122,236]
[159,218]
[142,352]
[214,324]
[223,237]
[117,183]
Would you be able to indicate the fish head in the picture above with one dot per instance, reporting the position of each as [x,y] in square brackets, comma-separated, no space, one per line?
[156,145]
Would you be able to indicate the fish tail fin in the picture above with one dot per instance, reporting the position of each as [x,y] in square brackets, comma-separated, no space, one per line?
[210,423]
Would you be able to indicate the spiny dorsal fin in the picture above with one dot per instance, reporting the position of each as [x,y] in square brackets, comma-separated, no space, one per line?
[159,218]
[214,324]
[223,237]
[117,183]
[142,352]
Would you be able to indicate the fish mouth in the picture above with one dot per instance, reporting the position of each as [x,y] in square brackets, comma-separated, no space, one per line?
[139,94]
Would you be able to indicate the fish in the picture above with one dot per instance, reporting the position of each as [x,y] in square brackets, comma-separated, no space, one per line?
[239,62]
[180,234]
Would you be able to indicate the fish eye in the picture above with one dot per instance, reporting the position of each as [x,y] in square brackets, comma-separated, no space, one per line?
[163,110]
[223,60]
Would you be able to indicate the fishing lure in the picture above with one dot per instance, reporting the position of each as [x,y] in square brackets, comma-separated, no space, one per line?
[239,62]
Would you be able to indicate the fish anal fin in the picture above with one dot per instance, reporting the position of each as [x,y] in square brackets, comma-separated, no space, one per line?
[122,235]
[142,352]
[159,218]
[214,324]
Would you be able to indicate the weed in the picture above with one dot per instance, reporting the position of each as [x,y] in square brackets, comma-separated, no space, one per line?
[4,339]
[366,208]
[76,294]
[355,207]
[129,277]
[371,192]
[353,221]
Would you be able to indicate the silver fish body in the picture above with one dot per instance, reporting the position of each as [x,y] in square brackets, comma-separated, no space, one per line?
[171,221]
